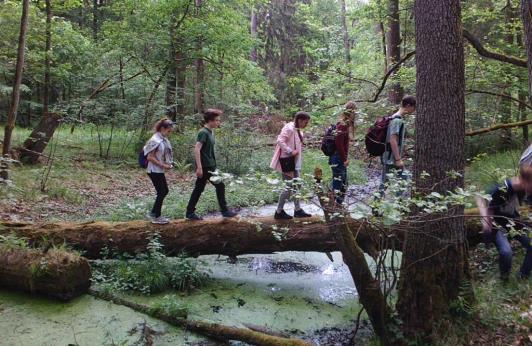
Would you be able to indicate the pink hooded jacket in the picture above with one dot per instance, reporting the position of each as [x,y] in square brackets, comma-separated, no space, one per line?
[287,141]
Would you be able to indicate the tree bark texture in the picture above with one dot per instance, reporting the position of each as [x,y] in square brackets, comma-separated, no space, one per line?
[434,261]
[57,274]
[15,95]
[254,35]
[199,81]
[171,78]
[47,58]
[505,139]
[526,14]
[345,33]
[393,48]
[224,237]
[34,146]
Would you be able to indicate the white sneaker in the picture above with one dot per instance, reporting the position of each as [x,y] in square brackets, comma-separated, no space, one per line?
[150,215]
[161,220]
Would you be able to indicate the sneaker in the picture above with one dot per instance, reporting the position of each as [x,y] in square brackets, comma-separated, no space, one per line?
[193,217]
[282,215]
[229,213]
[301,213]
[161,220]
[150,215]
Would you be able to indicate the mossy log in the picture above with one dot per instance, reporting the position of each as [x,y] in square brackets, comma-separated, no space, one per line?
[213,330]
[220,236]
[54,273]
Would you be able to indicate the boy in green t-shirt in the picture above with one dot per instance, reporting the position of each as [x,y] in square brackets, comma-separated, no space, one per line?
[206,164]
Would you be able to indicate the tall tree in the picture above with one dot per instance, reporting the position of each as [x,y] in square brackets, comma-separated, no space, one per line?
[393,47]
[15,95]
[434,263]
[254,34]
[505,138]
[526,15]
[345,33]
[199,81]
[47,58]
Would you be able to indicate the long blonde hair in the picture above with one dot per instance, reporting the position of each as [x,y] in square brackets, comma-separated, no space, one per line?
[348,116]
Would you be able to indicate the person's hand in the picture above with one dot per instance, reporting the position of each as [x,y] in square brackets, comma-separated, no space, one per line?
[167,166]
[346,163]
[199,172]
[295,152]
[399,164]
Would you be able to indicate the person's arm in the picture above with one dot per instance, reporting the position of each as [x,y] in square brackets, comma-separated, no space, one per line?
[341,141]
[485,213]
[394,145]
[153,159]
[197,158]
[286,136]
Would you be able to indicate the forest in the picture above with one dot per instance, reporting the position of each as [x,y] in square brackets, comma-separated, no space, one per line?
[265,172]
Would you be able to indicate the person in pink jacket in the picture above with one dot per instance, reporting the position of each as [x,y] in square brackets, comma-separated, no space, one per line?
[287,159]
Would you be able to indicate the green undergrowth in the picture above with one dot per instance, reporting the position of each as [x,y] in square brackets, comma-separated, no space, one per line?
[148,273]
[485,170]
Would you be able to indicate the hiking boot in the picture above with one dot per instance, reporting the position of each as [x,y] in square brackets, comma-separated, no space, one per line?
[301,213]
[161,220]
[229,213]
[193,217]
[282,215]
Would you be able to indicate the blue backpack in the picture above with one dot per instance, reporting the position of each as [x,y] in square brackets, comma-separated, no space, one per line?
[143,159]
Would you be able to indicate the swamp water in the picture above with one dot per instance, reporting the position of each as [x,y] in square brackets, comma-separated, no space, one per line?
[302,294]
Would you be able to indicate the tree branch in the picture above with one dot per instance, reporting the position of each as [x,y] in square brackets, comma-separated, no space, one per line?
[473,91]
[498,127]
[475,42]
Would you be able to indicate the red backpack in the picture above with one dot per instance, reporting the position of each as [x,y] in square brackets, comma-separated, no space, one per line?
[376,136]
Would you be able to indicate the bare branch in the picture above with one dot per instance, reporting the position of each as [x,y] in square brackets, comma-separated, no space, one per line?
[475,42]
[498,127]
[473,91]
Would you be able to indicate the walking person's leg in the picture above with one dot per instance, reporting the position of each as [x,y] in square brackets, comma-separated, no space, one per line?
[285,195]
[161,186]
[199,186]
[505,254]
[384,178]
[339,178]
[526,267]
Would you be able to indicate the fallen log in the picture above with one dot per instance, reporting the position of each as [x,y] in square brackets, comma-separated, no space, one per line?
[230,237]
[213,330]
[55,273]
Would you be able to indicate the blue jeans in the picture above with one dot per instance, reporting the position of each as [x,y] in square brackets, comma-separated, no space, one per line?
[339,182]
[505,253]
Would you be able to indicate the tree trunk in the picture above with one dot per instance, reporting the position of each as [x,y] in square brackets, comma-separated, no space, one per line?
[523,116]
[345,33]
[47,57]
[181,75]
[170,94]
[57,274]
[526,14]
[434,263]
[15,95]
[34,146]
[505,138]
[199,81]
[254,34]
[95,20]
[224,237]
[393,51]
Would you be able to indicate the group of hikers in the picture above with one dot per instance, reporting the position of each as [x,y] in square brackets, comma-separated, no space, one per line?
[288,157]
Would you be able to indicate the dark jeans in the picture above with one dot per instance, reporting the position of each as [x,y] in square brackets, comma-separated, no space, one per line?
[339,182]
[200,186]
[159,181]
[505,253]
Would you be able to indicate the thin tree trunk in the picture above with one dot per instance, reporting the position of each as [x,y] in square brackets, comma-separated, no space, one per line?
[254,34]
[506,104]
[47,57]
[434,264]
[393,41]
[345,33]
[121,71]
[523,116]
[526,14]
[95,20]
[15,96]
[181,84]
[199,81]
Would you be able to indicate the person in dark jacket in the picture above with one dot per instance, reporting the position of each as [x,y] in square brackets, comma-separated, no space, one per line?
[501,221]
[345,129]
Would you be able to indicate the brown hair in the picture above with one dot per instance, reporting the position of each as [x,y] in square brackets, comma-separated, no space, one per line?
[525,173]
[163,123]
[348,115]
[297,117]
[408,100]
[211,114]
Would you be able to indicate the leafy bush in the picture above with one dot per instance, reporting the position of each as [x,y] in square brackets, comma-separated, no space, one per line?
[149,273]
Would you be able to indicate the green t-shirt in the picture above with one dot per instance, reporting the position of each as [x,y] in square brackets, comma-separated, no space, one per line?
[205,136]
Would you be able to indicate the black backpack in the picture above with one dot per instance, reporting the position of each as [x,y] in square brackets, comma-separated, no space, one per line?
[143,159]
[328,142]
